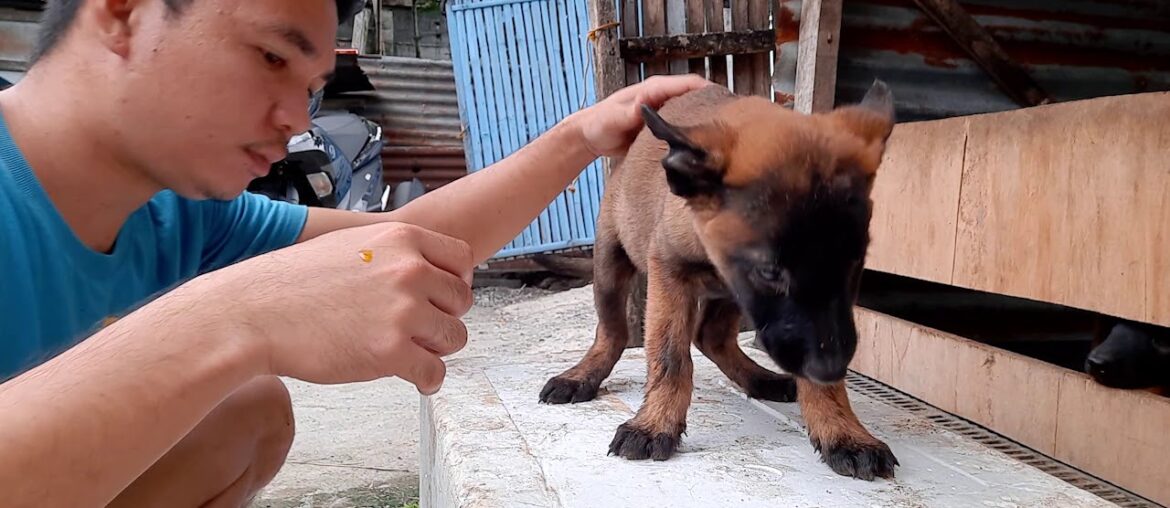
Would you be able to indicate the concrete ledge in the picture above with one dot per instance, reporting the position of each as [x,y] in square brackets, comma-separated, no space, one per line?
[488,442]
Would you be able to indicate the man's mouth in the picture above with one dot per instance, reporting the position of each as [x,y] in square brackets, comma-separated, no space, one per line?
[262,162]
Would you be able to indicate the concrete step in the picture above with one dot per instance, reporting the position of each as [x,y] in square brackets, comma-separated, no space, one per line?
[488,442]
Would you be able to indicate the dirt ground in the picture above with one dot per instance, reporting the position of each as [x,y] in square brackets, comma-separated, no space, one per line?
[357,445]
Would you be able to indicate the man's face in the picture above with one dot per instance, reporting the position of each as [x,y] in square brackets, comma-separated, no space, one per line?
[209,98]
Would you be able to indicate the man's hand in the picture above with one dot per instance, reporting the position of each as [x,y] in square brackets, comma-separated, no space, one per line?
[354,305]
[610,126]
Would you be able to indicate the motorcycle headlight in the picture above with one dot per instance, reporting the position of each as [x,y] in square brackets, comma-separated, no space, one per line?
[320,183]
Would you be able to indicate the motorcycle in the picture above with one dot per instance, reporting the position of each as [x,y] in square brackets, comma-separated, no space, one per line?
[337,163]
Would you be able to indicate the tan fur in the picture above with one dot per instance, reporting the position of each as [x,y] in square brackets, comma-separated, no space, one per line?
[644,226]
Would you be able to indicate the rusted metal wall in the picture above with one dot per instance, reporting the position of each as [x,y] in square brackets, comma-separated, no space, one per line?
[417,107]
[1074,49]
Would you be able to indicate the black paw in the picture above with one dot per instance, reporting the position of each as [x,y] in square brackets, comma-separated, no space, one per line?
[635,443]
[775,388]
[864,461]
[561,390]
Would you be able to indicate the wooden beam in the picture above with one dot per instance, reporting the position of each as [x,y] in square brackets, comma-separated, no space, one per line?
[816,62]
[985,50]
[715,23]
[670,47]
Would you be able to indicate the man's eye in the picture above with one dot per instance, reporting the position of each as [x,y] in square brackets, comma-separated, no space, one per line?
[273,59]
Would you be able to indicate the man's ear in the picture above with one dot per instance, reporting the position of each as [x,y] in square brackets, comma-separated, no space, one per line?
[114,20]
[691,169]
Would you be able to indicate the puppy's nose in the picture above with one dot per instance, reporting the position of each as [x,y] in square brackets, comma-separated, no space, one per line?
[1095,365]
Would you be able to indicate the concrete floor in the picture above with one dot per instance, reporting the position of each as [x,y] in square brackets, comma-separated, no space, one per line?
[358,445]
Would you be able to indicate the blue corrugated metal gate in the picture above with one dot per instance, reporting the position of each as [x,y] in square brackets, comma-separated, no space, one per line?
[520,67]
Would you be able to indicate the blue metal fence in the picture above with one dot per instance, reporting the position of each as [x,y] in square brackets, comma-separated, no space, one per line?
[520,67]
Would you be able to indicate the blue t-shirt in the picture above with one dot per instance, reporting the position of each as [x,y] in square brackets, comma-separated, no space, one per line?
[55,291]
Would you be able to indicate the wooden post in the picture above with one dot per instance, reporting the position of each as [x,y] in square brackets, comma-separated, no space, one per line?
[816,65]
[985,50]
[631,29]
[716,24]
[695,23]
[609,76]
[761,76]
[742,66]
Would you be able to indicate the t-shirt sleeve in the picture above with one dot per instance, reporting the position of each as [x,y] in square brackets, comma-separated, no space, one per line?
[246,226]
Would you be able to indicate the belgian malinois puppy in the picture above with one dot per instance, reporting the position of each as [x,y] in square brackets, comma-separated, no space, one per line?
[735,205]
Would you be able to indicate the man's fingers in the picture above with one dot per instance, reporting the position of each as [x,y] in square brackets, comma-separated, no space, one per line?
[655,93]
[421,368]
[450,254]
[438,331]
[450,293]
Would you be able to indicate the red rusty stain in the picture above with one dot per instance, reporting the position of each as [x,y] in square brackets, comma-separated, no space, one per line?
[787,29]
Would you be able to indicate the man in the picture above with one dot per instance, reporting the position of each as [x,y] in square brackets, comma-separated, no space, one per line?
[123,156]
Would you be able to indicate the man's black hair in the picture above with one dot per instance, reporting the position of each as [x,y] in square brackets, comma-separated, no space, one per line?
[59,16]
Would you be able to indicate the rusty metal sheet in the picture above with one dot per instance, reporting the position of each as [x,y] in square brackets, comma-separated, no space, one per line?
[1074,49]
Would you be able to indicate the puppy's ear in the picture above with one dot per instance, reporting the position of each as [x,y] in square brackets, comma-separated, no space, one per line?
[694,160]
[872,119]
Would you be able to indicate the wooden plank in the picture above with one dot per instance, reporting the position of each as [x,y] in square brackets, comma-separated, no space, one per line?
[816,72]
[670,47]
[1009,393]
[630,29]
[741,65]
[916,200]
[985,50]
[1070,204]
[1119,435]
[654,23]
[696,20]
[715,24]
[761,75]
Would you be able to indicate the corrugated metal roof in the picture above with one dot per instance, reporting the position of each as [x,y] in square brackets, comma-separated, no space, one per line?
[1074,49]
[416,104]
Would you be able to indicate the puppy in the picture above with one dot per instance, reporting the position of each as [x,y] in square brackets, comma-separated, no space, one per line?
[1134,357]
[735,205]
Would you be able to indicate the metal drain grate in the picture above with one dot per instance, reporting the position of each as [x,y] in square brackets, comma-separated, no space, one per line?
[1075,477]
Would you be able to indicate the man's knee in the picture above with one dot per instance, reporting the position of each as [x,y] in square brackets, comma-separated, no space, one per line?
[268,405]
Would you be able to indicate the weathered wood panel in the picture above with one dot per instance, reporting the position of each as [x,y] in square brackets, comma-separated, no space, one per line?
[916,200]
[1070,204]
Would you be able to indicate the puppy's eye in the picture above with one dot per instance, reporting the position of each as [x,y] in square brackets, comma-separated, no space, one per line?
[770,273]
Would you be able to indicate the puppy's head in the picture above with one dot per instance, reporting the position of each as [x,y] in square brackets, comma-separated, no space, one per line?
[781,203]
[1131,357]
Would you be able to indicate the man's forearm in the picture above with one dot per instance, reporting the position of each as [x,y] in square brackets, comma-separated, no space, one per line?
[76,430]
[488,208]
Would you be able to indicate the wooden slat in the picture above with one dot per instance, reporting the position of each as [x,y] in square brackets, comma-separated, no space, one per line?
[670,47]
[816,72]
[676,24]
[916,200]
[762,77]
[654,23]
[695,25]
[742,67]
[715,24]
[985,50]
[630,29]
[1117,435]
[1070,204]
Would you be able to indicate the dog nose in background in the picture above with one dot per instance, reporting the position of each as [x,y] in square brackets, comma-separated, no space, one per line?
[825,371]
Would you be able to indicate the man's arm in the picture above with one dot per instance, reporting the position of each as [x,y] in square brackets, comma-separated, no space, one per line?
[488,208]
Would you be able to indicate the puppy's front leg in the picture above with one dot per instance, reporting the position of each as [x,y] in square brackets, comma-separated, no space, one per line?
[670,327]
[836,433]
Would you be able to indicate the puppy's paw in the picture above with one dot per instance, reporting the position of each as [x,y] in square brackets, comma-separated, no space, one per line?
[862,459]
[636,443]
[563,390]
[774,387]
